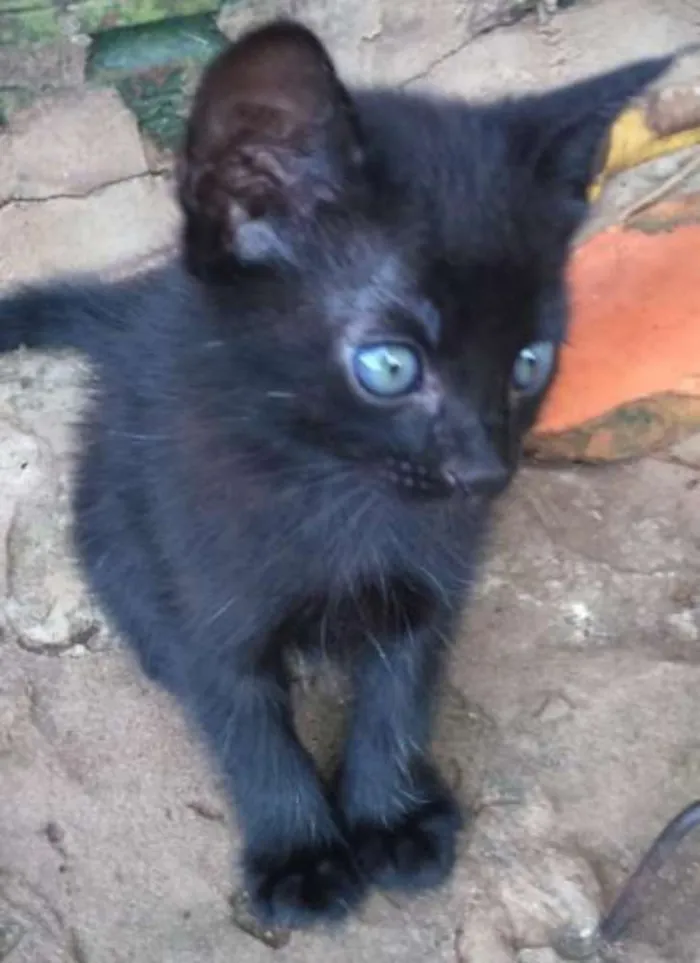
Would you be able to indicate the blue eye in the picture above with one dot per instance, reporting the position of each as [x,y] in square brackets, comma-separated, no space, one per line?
[532,368]
[387,370]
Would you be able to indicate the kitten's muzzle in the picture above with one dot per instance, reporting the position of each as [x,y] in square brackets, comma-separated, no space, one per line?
[480,479]
[485,477]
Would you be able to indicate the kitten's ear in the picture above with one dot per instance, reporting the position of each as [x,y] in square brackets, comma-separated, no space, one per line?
[562,136]
[271,136]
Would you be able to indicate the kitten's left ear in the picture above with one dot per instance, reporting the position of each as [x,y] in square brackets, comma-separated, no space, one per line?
[272,135]
[562,135]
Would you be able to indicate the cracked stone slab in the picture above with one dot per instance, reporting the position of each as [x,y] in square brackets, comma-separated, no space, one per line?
[688,451]
[44,605]
[46,609]
[31,928]
[383,41]
[582,648]
[28,72]
[117,225]
[580,40]
[522,886]
[554,841]
[43,66]
[69,145]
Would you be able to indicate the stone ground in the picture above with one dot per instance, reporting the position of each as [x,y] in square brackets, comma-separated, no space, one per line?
[571,720]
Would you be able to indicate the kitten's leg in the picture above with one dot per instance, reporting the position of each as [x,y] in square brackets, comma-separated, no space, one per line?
[402,819]
[122,570]
[298,866]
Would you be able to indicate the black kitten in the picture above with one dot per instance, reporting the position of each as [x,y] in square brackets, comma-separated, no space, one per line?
[297,429]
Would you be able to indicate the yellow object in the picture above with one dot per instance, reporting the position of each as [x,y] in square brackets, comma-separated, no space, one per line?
[633,141]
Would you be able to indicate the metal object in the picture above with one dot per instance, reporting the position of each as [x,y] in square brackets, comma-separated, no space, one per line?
[571,944]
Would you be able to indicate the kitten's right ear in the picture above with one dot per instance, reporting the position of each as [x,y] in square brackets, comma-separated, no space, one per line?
[271,136]
[561,135]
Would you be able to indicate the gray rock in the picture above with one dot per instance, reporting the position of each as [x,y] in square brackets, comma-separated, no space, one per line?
[69,145]
[120,224]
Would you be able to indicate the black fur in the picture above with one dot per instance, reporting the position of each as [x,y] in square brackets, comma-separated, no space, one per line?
[238,497]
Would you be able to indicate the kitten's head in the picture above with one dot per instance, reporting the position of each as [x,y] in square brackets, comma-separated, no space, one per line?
[388,269]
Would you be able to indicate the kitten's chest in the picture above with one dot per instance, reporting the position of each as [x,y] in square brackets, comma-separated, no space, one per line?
[385,542]
[398,577]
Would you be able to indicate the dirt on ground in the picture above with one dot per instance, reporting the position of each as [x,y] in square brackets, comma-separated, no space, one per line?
[571,722]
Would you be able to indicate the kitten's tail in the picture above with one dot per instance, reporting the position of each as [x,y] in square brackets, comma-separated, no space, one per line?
[71,314]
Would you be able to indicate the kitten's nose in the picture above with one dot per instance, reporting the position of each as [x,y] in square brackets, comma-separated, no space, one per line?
[486,475]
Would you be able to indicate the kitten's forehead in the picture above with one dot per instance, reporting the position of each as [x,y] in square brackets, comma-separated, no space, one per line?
[373,283]
[454,170]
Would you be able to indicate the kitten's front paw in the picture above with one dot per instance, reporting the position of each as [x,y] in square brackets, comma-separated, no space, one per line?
[415,851]
[307,886]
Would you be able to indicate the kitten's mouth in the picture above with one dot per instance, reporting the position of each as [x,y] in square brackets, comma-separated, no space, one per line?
[477,483]
[416,480]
